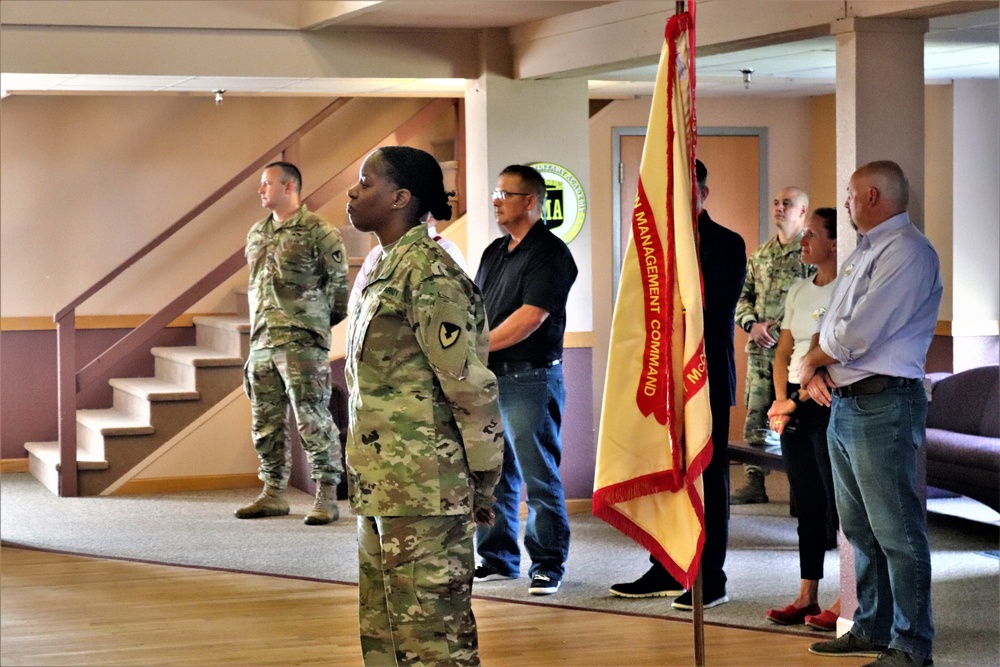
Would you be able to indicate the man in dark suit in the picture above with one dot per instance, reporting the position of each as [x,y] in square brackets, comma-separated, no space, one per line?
[723,257]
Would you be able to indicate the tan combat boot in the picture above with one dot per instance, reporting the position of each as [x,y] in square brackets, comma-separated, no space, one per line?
[270,502]
[324,509]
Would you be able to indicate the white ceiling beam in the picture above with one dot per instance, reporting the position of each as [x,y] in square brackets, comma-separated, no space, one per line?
[320,14]
[629,34]
[239,53]
[218,14]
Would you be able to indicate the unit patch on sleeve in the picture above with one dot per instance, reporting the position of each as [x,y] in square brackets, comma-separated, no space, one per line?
[443,334]
[448,334]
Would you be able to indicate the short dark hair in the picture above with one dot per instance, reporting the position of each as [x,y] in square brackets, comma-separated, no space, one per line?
[417,171]
[530,178]
[829,217]
[289,172]
[700,174]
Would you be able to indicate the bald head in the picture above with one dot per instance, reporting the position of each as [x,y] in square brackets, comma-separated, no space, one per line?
[789,211]
[877,191]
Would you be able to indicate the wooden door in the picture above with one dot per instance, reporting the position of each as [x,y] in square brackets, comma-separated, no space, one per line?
[734,201]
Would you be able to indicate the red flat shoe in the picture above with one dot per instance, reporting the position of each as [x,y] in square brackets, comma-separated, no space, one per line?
[792,616]
[825,621]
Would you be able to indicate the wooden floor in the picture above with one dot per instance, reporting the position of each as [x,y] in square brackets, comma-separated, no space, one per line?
[69,610]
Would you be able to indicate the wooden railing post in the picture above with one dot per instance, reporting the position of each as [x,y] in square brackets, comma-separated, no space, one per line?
[66,373]
[291,152]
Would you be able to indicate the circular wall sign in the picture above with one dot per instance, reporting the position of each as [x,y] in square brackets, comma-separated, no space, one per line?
[565,201]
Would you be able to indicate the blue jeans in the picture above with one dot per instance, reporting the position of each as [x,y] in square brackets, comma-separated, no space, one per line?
[531,405]
[873,444]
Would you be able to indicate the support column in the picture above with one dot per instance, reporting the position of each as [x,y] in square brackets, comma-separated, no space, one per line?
[880,116]
[510,121]
[880,105]
[975,278]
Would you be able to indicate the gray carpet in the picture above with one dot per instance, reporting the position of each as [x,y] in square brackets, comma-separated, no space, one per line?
[198,529]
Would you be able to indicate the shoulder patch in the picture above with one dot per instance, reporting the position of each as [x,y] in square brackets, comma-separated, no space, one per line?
[448,334]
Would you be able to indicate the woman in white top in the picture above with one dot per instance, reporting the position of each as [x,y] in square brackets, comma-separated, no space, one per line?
[802,423]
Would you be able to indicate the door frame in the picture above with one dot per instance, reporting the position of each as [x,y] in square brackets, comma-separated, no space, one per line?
[617,133]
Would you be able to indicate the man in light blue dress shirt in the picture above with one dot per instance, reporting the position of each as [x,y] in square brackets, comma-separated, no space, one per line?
[869,365]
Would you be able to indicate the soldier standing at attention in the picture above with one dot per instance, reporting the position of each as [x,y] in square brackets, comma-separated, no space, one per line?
[298,291]
[425,444]
[772,269]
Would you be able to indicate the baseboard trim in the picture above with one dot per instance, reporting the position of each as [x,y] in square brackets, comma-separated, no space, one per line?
[13,465]
[142,487]
[43,323]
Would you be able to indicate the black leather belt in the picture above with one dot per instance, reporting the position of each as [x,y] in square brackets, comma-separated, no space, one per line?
[874,384]
[506,367]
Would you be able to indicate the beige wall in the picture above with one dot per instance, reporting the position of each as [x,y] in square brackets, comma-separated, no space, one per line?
[822,186]
[939,184]
[88,180]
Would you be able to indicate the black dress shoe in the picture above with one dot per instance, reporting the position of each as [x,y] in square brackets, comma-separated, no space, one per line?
[656,583]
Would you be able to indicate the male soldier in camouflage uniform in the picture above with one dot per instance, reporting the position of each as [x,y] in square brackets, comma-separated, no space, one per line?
[425,446]
[771,270]
[298,291]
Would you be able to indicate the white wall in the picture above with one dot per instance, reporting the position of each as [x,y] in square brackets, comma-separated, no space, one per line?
[976,243]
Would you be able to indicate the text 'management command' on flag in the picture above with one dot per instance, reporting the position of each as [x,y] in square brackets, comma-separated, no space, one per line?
[656,423]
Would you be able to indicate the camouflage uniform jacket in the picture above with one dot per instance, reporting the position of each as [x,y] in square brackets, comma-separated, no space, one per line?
[771,270]
[298,280]
[424,415]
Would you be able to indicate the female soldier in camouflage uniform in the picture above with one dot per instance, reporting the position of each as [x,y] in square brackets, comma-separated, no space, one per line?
[425,443]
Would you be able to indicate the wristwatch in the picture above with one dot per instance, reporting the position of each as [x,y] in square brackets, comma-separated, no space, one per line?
[748,325]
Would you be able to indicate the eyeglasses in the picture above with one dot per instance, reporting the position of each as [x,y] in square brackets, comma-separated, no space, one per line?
[503,194]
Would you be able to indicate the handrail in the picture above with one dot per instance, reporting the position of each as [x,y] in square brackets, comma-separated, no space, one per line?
[72,381]
[205,203]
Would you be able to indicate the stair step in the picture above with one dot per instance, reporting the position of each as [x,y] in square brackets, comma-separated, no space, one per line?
[198,356]
[48,453]
[239,323]
[154,389]
[242,305]
[113,422]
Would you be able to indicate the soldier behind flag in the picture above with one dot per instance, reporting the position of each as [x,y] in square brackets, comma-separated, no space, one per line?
[773,268]
[722,255]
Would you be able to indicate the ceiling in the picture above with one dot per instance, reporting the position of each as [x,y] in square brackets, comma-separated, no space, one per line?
[956,47]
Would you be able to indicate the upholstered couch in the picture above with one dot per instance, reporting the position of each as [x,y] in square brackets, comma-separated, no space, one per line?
[963,434]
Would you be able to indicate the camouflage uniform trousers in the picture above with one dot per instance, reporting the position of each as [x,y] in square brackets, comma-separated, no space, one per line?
[415,590]
[758,396]
[299,375]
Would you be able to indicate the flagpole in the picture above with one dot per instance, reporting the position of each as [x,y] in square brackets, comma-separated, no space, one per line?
[698,611]
[698,620]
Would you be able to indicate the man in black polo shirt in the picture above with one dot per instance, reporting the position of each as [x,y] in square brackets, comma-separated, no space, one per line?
[525,277]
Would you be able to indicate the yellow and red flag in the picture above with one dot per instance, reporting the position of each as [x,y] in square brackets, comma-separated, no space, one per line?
[656,424]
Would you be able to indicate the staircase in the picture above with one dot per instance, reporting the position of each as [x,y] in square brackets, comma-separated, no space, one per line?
[148,412]
[105,446]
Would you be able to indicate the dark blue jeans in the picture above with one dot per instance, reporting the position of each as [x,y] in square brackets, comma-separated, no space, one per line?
[531,405]
[873,451]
